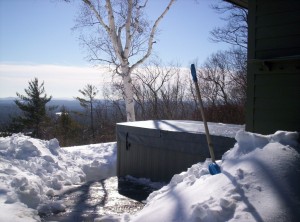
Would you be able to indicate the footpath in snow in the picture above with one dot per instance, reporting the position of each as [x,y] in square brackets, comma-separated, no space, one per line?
[260,181]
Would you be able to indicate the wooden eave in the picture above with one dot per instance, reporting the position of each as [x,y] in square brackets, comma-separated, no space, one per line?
[240,3]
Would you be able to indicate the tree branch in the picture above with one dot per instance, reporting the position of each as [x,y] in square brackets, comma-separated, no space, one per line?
[150,42]
[98,16]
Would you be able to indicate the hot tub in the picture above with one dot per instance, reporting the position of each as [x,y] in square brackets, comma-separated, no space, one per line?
[158,149]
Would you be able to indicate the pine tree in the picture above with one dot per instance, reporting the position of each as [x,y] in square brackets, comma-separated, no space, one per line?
[33,107]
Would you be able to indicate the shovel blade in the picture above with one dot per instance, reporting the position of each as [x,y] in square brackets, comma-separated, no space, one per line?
[214,168]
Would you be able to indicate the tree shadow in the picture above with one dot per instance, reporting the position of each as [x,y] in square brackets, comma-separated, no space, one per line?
[92,200]
[82,206]
[240,191]
[158,124]
[284,189]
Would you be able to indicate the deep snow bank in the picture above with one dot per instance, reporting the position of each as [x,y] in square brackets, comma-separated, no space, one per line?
[259,182]
[32,170]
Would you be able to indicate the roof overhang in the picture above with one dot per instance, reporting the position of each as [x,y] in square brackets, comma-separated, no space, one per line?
[241,3]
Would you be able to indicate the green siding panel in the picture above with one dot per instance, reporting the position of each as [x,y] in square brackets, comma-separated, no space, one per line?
[277,19]
[273,114]
[273,94]
[277,52]
[278,43]
[276,96]
[278,31]
[276,28]
[265,7]
[264,126]
[268,92]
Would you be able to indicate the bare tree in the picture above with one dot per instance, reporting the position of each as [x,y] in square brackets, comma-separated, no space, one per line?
[173,95]
[214,78]
[161,91]
[235,32]
[237,61]
[122,37]
[114,93]
[223,85]
[148,81]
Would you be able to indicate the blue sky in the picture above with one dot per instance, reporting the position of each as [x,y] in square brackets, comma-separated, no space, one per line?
[36,40]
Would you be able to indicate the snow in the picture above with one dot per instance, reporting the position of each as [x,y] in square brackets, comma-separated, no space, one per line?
[217,129]
[32,171]
[259,180]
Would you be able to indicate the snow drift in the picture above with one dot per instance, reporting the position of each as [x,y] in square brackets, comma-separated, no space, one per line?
[259,181]
[32,171]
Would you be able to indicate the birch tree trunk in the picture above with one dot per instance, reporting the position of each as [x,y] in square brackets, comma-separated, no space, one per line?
[128,94]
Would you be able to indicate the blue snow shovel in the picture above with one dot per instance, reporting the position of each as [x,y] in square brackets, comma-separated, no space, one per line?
[213,167]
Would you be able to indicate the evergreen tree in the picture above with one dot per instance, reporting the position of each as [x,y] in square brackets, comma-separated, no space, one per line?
[33,107]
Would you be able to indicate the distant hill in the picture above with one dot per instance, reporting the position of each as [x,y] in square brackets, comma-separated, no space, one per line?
[9,109]
[70,104]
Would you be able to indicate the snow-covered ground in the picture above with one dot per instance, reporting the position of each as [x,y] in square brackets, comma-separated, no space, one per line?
[260,181]
[32,170]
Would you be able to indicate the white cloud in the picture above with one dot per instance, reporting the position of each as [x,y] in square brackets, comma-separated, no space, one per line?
[60,81]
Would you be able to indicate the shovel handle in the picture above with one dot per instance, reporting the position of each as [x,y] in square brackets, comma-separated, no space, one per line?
[209,142]
[194,74]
